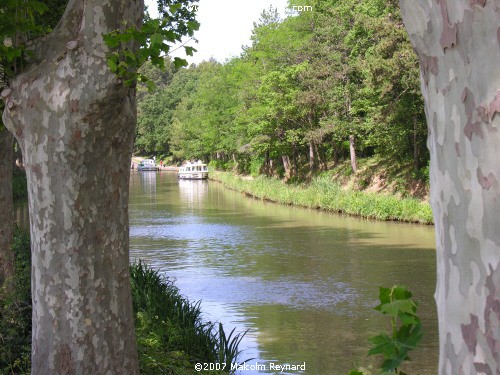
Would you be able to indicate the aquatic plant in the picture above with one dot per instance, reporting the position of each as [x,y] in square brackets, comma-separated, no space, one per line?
[406,331]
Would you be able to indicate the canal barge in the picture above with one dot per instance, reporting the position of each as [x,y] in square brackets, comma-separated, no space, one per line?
[193,171]
[147,165]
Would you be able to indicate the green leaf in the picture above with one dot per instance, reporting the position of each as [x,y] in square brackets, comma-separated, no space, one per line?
[189,50]
[113,66]
[395,307]
[355,372]
[171,36]
[111,40]
[383,344]
[179,63]
[174,7]
[393,363]
[193,25]
[384,294]
[401,292]
[408,319]
[156,39]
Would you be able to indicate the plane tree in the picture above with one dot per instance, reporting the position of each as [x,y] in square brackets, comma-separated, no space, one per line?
[458,44]
[70,103]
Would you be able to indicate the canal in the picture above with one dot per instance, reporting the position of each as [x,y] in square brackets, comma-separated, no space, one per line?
[303,282]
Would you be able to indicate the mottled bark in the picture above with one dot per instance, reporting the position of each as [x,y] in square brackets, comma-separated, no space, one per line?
[458,43]
[6,208]
[352,151]
[75,123]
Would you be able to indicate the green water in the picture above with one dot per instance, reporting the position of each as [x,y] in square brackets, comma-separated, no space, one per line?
[304,282]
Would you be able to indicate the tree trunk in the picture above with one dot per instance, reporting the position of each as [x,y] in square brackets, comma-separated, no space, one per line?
[353,152]
[335,155]
[311,157]
[458,43]
[6,206]
[415,145]
[321,158]
[75,124]
[287,165]
[235,160]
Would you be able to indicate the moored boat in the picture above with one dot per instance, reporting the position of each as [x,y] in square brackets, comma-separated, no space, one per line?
[193,171]
[147,165]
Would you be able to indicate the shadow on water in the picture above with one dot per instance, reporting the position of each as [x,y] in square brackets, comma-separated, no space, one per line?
[304,282]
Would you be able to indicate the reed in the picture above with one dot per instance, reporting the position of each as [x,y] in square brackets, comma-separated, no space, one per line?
[323,193]
[170,330]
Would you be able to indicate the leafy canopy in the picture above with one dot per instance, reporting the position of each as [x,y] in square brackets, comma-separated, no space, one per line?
[23,21]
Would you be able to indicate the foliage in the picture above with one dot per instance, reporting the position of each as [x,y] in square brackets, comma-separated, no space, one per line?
[22,21]
[298,92]
[18,23]
[155,38]
[395,302]
[19,186]
[15,312]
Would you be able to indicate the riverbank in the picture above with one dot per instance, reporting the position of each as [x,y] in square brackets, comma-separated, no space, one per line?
[326,194]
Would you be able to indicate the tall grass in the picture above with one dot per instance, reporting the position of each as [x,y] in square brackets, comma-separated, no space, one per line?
[323,193]
[168,323]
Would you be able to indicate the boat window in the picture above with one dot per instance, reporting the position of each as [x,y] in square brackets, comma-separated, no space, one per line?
[205,168]
[188,169]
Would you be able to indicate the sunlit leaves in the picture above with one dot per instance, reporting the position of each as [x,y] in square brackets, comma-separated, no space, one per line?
[18,24]
[155,39]
[406,327]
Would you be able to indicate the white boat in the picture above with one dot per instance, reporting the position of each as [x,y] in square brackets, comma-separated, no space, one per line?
[147,165]
[193,171]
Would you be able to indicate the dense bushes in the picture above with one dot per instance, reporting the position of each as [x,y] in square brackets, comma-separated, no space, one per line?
[19,186]
[15,312]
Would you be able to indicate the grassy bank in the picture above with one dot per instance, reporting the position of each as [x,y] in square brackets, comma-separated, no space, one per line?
[171,336]
[323,193]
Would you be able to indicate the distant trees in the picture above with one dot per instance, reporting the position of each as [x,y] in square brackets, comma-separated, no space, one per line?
[307,92]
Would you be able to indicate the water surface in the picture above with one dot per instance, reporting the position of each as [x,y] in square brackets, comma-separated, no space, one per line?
[304,282]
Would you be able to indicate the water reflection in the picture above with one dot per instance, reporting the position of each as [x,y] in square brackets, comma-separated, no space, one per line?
[148,184]
[305,282]
[193,192]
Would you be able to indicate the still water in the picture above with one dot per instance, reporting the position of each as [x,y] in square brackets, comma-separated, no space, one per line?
[303,282]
